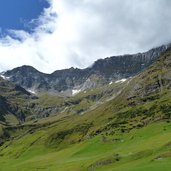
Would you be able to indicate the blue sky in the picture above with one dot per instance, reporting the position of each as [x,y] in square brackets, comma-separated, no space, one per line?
[16,14]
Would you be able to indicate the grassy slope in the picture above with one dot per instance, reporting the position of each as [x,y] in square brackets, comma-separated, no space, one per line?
[106,138]
[141,149]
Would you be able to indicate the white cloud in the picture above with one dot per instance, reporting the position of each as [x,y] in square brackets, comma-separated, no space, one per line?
[75,33]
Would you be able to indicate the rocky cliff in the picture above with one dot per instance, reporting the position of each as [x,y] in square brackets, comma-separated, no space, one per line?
[68,81]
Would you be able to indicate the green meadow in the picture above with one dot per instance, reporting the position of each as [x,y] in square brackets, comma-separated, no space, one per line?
[148,148]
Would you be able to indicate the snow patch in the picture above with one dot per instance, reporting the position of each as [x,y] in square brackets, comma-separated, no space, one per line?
[111,83]
[74,92]
[31,91]
[121,81]
[5,78]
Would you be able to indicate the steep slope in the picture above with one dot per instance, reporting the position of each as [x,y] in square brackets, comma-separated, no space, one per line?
[13,102]
[125,66]
[129,132]
[33,107]
[71,80]
[46,104]
[28,77]
[80,103]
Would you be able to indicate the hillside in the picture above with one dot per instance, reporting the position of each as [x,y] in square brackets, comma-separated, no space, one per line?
[30,107]
[127,131]
[13,102]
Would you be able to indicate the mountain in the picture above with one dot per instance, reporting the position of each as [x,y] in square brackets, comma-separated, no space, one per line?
[129,130]
[69,81]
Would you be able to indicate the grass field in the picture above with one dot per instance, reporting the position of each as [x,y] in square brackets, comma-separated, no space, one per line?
[144,149]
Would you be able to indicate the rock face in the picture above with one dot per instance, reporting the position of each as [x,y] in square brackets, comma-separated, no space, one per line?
[102,71]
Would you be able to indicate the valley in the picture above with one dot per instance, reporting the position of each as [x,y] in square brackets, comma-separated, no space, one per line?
[116,123]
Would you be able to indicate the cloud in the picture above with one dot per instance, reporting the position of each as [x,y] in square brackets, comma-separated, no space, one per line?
[76,33]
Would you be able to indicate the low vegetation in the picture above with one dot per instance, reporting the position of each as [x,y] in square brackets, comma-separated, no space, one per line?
[128,129]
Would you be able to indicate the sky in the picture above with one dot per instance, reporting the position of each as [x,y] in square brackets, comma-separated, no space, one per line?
[18,14]
[58,34]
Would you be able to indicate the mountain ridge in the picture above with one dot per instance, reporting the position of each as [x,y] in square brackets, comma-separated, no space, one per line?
[101,72]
